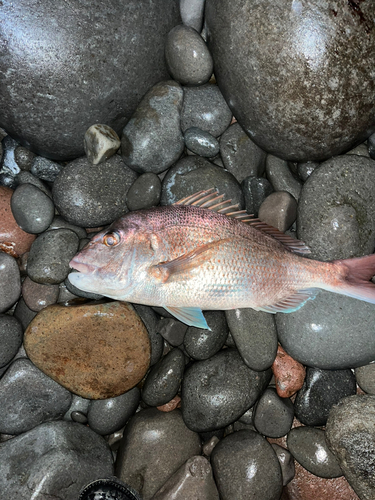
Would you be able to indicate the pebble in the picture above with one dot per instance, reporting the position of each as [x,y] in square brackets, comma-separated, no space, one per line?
[255,191]
[305,169]
[286,462]
[205,107]
[336,213]
[45,169]
[245,466]
[12,239]
[289,374]
[8,166]
[28,398]
[106,416]
[360,150]
[321,390]
[255,336]
[200,343]
[279,210]
[156,122]
[23,313]
[241,156]
[26,177]
[32,209]
[53,460]
[99,366]
[273,416]
[24,158]
[172,330]
[188,59]
[191,12]
[78,417]
[217,391]
[154,446]
[201,143]
[350,436]
[50,254]
[11,335]
[151,322]
[365,378]
[78,405]
[145,192]
[100,143]
[371,146]
[192,480]
[281,177]
[10,280]
[309,447]
[171,405]
[164,379]
[60,223]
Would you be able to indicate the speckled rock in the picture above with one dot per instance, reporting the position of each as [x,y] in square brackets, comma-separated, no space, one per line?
[32,209]
[365,377]
[8,165]
[10,338]
[24,158]
[100,190]
[100,143]
[38,296]
[294,88]
[10,280]
[273,416]
[279,210]
[45,169]
[201,142]
[305,169]
[111,82]
[255,191]
[154,446]
[98,366]
[145,192]
[289,374]
[336,212]
[201,343]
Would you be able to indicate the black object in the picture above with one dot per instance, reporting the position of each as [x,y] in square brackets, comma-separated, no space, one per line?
[108,489]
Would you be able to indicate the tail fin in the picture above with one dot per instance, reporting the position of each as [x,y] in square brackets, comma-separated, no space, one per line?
[356,275]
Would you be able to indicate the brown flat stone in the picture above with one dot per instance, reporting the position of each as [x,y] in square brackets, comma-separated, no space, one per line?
[289,374]
[97,351]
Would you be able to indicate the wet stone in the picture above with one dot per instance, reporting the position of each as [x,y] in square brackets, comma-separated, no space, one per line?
[10,280]
[204,107]
[151,322]
[156,122]
[192,13]
[305,169]
[24,158]
[98,366]
[286,462]
[28,398]
[255,191]
[201,343]
[11,334]
[309,447]
[172,330]
[38,296]
[45,169]
[171,405]
[201,142]
[235,456]
[78,405]
[23,313]
[223,377]
[164,379]
[72,454]
[188,59]
[50,254]
[279,210]
[101,191]
[32,209]
[106,416]
[281,177]
[154,446]
[322,389]
[365,377]
[25,177]
[100,143]
[79,417]
[289,374]
[273,416]
[60,223]
[241,156]
[145,192]
[8,166]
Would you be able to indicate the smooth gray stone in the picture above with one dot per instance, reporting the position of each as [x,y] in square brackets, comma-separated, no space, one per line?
[60,223]
[78,417]
[154,446]
[201,343]
[172,330]
[93,195]
[28,398]
[255,191]
[32,209]
[289,86]
[255,336]
[223,378]
[10,280]
[191,12]
[205,107]
[201,143]
[156,123]
[11,335]
[53,460]
[24,158]
[8,166]
[145,192]
[286,462]
[193,479]
[194,173]
[351,437]
[336,211]
[118,52]
[241,156]
[305,169]
[273,416]
[23,313]
[109,415]
[45,169]
[151,322]
[332,332]
[280,176]
[50,255]
[245,466]
[188,59]
[309,447]
[79,405]
[164,379]
[365,377]
[25,177]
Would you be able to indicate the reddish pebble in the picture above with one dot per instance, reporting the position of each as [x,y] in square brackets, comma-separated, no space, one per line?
[289,374]
[171,405]
[13,240]
[38,296]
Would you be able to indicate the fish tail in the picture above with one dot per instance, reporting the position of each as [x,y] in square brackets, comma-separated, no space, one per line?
[354,280]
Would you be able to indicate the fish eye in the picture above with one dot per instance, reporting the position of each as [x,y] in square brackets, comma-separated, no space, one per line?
[111,239]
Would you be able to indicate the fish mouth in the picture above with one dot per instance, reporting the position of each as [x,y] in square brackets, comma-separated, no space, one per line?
[81,267]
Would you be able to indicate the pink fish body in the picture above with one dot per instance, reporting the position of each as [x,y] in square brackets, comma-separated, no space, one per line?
[199,254]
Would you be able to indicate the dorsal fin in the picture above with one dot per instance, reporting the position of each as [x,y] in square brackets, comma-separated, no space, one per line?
[211,200]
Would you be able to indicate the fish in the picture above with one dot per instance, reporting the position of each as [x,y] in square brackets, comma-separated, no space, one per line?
[203,253]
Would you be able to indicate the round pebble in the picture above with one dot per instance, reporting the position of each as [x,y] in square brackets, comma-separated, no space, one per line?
[100,143]
[279,210]
[38,296]
[11,334]
[32,209]
[202,343]
[365,377]
[10,280]
[26,177]
[201,143]
[273,416]
[145,192]
[78,406]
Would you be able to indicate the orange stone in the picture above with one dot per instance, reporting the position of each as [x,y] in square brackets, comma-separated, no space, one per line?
[171,405]
[13,239]
[289,374]
[97,350]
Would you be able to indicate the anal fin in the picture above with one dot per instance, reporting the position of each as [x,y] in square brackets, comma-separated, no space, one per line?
[191,316]
[291,303]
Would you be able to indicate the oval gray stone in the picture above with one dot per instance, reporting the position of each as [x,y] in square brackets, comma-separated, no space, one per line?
[365,377]
[32,209]
[273,416]
[145,192]
[201,142]
[202,343]
[11,335]
[10,280]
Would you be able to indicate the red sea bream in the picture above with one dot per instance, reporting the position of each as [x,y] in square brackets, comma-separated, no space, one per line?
[201,254]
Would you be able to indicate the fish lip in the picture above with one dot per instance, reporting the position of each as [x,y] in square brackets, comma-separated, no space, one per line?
[81,267]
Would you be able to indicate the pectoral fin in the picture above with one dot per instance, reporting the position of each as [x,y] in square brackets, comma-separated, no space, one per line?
[192,316]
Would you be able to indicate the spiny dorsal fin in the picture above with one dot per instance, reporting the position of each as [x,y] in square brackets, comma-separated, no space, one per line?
[211,200]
